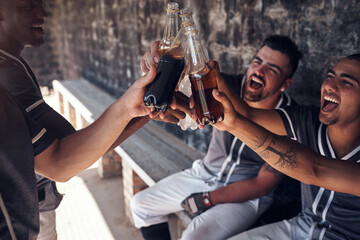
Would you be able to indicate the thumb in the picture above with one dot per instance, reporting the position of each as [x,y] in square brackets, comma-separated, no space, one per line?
[147,78]
[222,98]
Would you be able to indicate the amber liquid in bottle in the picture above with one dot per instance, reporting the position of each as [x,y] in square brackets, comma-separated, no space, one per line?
[207,108]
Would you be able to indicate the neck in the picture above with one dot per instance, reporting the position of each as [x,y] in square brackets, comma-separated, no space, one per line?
[11,49]
[344,139]
[269,103]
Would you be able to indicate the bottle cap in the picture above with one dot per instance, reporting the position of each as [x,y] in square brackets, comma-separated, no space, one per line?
[185,12]
[172,7]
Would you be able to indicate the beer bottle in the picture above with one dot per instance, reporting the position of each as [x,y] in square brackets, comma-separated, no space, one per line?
[170,67]
[171,27]
[184,85]
[202,77]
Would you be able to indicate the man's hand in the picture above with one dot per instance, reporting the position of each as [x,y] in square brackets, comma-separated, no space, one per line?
[230,114]
[179,106]
[133,98]
[197,203]
[150,58]
[170,116]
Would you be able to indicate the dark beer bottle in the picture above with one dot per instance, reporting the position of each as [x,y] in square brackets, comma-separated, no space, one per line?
[170,67]
[202,77]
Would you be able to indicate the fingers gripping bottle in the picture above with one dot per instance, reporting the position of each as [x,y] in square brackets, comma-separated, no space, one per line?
[202,77]
[169,69]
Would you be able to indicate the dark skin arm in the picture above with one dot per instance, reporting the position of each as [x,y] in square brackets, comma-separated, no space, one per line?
[69,156]
[246,190]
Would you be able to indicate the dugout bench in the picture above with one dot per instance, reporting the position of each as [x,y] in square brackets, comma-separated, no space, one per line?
[151,153]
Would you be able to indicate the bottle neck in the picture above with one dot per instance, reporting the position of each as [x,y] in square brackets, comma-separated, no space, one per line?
[196,54]
[171,26]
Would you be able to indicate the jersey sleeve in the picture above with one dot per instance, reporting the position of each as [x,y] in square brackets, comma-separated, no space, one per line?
[23,88]
[40,137]
[234,81]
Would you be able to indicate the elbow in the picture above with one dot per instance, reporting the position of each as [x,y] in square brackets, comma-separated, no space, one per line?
[56,176]
[314,174]
[62,179]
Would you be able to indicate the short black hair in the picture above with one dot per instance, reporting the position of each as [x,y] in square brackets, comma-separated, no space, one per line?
[355,57]
[286,46]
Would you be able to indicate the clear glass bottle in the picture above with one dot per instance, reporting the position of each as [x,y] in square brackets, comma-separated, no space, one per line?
[184,84]
[171,27]
[201,75]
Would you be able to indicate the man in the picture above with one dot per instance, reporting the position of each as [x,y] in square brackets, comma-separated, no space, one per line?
[227,160]
[330,195]
[21,25]
[58,160]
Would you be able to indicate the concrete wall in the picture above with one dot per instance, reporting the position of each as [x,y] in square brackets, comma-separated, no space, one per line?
[102,40]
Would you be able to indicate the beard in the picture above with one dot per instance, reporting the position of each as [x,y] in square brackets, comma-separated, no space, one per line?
[325,120]
[252,97]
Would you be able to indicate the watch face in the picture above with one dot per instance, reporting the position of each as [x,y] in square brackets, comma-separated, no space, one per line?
[206,200]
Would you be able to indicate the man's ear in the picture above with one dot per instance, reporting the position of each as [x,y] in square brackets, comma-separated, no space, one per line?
[286,84]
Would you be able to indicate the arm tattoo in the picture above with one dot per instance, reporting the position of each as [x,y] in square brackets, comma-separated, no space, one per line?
[287,159]
[268,168]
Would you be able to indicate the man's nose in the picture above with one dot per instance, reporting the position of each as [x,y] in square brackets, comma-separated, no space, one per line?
[260,71]
[330,85]
[41,12]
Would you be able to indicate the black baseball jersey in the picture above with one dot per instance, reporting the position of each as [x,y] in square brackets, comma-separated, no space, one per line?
[325,214]
[21,139]
[20,81]
[229,158]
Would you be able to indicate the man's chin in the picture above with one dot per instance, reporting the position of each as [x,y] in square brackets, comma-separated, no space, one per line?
[253,97]
[326,120]
[36,43]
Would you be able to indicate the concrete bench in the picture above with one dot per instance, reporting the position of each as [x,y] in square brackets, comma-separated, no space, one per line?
[146,157]
[81,103]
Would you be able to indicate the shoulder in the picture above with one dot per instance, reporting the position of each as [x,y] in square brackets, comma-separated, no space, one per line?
[299,118]
[7,64]
[10,70]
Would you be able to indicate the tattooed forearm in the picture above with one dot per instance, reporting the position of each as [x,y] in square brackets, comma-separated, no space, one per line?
[286,160]
[268,168]
[260,141]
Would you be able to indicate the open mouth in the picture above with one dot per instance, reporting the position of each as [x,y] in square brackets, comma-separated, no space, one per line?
[330,103]
[256,83]
[37,28]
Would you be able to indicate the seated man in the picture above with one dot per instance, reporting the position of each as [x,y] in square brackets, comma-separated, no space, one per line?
[227,161]
[22,140]
[328,172]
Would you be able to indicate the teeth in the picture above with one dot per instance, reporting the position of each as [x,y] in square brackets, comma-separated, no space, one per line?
[257,80]
[330,99]
[36,25]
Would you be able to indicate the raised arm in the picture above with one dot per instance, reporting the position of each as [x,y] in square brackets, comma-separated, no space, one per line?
[268,118]
[71,155]
[288,156]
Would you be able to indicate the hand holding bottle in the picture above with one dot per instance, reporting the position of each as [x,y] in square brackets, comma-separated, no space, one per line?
[134,96]
[150,58]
